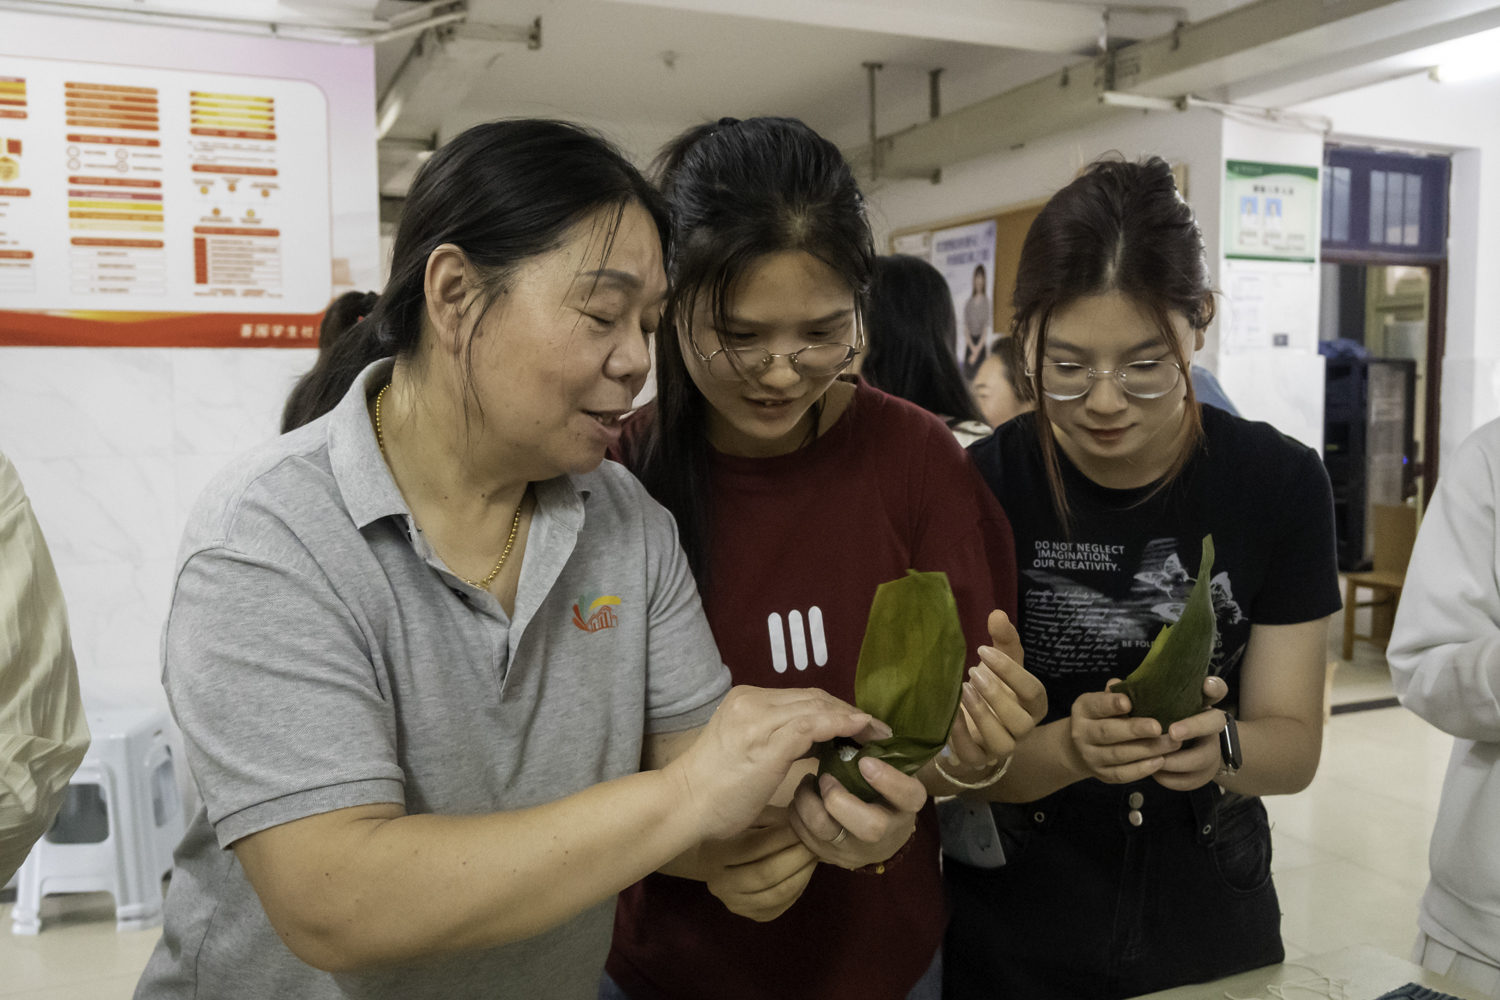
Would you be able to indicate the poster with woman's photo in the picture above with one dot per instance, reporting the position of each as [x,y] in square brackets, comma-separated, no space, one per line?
[966,256]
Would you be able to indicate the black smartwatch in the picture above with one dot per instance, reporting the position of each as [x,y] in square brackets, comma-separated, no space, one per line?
[1229,747]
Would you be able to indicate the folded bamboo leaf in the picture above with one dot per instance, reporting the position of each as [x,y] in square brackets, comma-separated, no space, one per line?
[910,675]
[1168,685]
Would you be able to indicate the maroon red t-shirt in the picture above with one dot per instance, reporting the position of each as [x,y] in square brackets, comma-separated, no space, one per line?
[800,543]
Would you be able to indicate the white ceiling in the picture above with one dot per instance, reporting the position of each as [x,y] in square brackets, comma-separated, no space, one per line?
[643,70]
[605,62]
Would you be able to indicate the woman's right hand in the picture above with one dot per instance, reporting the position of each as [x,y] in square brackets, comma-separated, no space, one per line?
[1112,747]
[736,764]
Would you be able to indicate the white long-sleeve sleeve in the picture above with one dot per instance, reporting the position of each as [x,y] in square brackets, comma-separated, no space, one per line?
[43,734]
[1445,646]
[1445,665]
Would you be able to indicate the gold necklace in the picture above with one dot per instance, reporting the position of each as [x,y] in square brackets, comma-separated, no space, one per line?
[515,522]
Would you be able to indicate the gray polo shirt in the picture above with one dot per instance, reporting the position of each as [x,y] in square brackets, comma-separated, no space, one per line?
[319,655]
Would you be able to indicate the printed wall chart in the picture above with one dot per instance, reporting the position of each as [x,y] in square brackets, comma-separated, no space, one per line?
[1271,211]
[163,208]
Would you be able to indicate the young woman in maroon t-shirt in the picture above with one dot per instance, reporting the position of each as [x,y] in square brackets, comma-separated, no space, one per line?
[796,494]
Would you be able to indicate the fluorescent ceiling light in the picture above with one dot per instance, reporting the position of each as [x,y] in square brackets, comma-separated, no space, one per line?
[1462,72]
[1120,99]
[1468,58]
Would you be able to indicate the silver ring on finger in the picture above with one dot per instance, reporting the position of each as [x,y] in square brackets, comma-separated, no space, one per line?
[840,838]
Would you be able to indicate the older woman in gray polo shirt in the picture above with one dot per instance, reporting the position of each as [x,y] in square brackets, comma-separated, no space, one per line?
[421,647]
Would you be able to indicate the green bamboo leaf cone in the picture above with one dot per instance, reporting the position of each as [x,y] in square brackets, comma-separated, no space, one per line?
[1168,685]
[910,675]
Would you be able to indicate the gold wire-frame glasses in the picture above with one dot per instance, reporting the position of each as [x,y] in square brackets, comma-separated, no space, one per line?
[1065,381]
[735,364]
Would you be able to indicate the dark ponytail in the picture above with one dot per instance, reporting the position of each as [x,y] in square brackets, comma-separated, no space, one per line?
[503,192]
[338,319]
[913,334]
[1118,227]
[739,190]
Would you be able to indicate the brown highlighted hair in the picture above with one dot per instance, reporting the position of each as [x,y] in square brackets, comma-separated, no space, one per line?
[1118,227]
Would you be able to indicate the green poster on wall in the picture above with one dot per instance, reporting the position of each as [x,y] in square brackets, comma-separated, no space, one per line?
[1270,211]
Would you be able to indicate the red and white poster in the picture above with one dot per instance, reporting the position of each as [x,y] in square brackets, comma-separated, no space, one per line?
[161,207]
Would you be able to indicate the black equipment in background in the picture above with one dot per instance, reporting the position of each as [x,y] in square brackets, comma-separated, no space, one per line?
[1368,445]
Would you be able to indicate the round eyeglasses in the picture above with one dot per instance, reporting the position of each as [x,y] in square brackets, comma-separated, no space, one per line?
[735,364]
[1065,382]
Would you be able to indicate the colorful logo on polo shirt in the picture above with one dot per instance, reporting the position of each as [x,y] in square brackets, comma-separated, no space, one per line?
[594,613]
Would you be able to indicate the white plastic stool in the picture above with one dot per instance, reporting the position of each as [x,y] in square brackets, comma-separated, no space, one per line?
[118,827]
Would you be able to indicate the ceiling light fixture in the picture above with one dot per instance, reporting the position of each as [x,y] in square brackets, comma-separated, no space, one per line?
[1463,70]
[1469,58]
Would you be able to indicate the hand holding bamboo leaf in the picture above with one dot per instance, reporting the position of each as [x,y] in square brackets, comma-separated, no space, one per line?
[1109,744]
[909,676]
[842,829]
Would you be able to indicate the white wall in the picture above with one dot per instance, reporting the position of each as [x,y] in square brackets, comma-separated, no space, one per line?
[114,444]
[1284,386]
[1039,169]
[1281,389]
[1460,117]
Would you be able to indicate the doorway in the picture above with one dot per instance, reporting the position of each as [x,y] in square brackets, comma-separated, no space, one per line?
[1382,329]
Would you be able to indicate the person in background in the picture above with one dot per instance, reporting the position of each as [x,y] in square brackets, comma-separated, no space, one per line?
[979,316]
[1000,387]
[1137,856]
[912,329]
[341,316]
[425,772]
[797,494]
[1445,666]
[43,733]
[1208,390]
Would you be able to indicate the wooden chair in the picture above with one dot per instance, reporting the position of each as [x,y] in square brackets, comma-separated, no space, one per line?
[1395,534]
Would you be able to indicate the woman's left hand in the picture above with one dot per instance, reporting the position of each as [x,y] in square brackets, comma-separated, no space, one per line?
[843,830]
[1002,703]
[1198,761]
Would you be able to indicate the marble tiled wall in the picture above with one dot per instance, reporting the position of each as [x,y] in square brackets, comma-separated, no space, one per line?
[113,446]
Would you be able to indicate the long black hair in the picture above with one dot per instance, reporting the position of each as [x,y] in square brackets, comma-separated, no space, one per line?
[1119,227]
[503,192]
[739,190]
[913,333]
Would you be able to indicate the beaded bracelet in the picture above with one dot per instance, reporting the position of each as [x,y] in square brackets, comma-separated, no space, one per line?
[937,762]
[879,867]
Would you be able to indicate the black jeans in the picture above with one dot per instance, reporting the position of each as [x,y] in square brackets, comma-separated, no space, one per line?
[1090,906]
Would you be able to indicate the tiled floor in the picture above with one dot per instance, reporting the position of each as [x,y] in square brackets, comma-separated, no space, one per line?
[1351,851]
[1350,859]
[78,955]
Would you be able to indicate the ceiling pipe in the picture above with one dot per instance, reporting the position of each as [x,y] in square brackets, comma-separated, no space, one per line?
[434,13]
[871,69]
[1201,59]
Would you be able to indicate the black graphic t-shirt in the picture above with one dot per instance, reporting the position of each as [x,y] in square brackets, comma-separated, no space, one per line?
[1092,603]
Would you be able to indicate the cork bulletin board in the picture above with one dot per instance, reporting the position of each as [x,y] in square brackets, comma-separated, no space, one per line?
[1011,225]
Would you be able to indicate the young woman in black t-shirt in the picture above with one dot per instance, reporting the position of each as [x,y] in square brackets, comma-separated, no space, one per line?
[1138,860]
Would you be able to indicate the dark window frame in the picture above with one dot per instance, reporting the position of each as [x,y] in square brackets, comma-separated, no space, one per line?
[1435,172]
